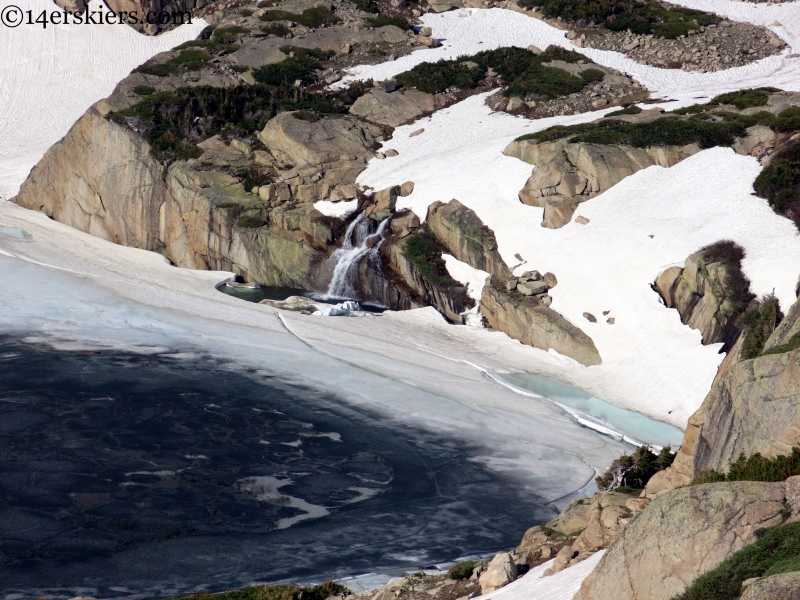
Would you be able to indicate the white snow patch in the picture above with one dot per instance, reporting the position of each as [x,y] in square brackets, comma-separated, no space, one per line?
[340,210]
[49,77]
[473,278]
[561,586]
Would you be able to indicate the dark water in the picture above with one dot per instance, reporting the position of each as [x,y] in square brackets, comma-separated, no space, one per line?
[282,293]
[136,476]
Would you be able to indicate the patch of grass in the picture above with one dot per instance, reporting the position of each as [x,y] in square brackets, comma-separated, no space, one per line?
[300,67]
[384,20]
[462,570]
[276,30]
[276,592]
[524,72]
[316,16]
[424,251]
[776,551]
[640,17]
[628,110]
[228,35]
[759,322]
[246,12]
[250,221]
[144,90]
[187,60]
[240,68]
[635,470]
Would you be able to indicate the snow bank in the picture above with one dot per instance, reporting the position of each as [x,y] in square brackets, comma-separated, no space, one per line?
[561,586]
[49,77]
[340,210]
[467,31]
[473,278]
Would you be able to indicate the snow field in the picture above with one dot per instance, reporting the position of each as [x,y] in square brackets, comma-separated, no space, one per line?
[49,77]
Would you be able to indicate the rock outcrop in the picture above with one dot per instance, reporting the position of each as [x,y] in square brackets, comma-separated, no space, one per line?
[398,107]
[785,586]
[526,319]
[700,293]
[466,237]
[567,174]
[684,534]
[501,571]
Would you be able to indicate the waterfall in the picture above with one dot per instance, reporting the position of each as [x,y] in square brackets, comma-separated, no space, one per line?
[360,243]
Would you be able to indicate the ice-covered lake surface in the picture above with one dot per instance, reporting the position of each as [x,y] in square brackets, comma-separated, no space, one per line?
[126,475]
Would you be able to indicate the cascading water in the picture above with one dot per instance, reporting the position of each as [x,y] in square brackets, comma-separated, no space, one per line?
[361,244]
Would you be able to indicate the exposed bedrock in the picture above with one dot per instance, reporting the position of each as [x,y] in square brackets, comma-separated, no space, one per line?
[753,406]
[466,237]
[701,296]
[526,319]
[685,533]
[100,178]
[567,174]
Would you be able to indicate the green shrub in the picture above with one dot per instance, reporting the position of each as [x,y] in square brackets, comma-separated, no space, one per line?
[758,323]
[316,16]
[144,90]
[745,98]
[793,343]
[628,110]
[250,221]
[276,592]
[206,33]
[384,20]
[736,284]
[523,71]
[635,470]
[592,75]
[640,17]
[276,30]
[227,35]
[424,251]
[302,66]
[776,551]
[246,12]
[667,131]
[368,6]
[187,60]
[462,570]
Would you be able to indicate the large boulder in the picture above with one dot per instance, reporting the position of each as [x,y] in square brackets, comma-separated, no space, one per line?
[501,571]
[527,320]
[466,237]
[684,534]
[396,108]
[298,141]
[701,293]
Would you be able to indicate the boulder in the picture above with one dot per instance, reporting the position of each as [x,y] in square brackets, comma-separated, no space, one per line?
[700,293]
[466,237]
[606,516]
[785,586]
[501,571]
[527,320]
[300,142]
[681,535]
[396,108]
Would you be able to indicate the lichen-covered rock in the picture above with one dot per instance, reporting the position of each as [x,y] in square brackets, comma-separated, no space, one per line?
[467,238]
[534,324]
[785,586]
[682,535]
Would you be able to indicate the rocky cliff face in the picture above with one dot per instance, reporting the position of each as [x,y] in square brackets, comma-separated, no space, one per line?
[102,179]
[567,174]
[467,238]
[527,320]
[684,534]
